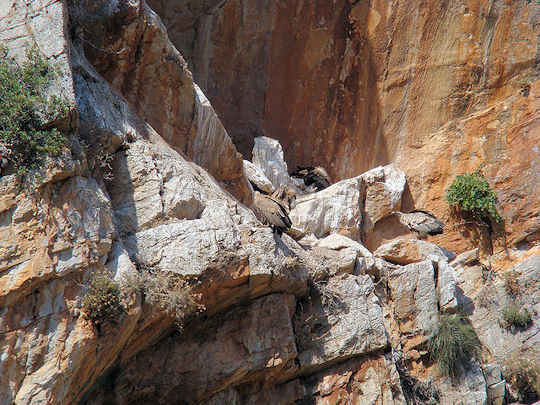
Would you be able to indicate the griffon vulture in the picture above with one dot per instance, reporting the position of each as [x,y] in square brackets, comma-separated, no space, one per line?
[271,211]
[313,176]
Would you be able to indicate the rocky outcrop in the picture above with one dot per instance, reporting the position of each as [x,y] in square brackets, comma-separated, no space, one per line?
[437,88]
[152,187]
[144,67]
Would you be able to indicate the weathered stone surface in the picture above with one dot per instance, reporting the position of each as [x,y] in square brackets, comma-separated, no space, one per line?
[405,251]
[371,380]
[471,391]
[342,318]
[446,286]
[336,209]
[384,187]
[256,176]
[245,344]
[438,102]
[414,297]
[466,258]
[145,68]
[268,156]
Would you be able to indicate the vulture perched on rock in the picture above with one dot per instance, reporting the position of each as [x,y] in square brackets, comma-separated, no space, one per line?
[422,222]
[271,211]
[313,176]
[286,195]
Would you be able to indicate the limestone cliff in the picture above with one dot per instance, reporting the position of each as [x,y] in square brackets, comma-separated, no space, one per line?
[395,98]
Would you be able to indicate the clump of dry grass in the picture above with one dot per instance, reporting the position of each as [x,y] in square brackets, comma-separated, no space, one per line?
[169,292]
[102,301]
[523,373]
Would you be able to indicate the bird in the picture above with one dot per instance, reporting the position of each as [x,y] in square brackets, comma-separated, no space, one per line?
[286,195]
[422,222]
[313,176]
[271,211]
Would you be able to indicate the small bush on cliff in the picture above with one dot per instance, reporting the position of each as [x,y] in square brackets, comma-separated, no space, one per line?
[102,300]
[168,292]
[515,316]
[454,344]
[26,112]
[523,374]
[511,284]
[470,194]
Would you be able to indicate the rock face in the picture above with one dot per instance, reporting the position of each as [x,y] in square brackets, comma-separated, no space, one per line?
[153,188]
[437,88]
[149,72]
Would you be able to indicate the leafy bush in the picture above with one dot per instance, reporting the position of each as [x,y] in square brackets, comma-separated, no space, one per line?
[470,193]
[26,113]
[515,316]
[523,373]
[102,300]
[454,344]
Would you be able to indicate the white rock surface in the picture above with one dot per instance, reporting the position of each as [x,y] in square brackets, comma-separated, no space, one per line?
[342,319]
[384,186]
[414,297]
[256,176]
[446,286]
[268,156]
[336,209]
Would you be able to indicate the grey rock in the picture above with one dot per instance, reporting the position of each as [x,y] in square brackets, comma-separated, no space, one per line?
[256,176]
[336,209]
[446,286]
[384,186]
[268,156]
[412,289]
[466,258]
[342,319]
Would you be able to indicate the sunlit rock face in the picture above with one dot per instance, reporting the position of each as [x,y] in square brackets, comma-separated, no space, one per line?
[152,183]
[439,88]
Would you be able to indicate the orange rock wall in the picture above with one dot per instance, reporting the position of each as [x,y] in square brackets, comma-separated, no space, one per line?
[438,87]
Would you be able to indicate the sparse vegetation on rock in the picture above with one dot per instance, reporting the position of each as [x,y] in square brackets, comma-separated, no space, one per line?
[102,301]
[511,284]
[470,194]
[169,292]
[26,112]
[515,316]
[454,344]
[523,373]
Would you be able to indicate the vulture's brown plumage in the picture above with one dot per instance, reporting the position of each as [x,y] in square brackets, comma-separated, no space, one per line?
[313,177]
[271,211]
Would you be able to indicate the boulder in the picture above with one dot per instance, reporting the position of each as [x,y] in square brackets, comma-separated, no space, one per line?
[447,287]
[384,186]
[268,156]
[342,318]
[405,251]
[414,302]
[336,209]
[256,176]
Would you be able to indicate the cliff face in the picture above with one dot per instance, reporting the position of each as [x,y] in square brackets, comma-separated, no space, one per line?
[440,88]
[152,185]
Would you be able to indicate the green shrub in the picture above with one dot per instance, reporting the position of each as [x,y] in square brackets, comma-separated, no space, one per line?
[523,373]
[102,300]
[454,344]
[470,193]
[515,316]
[26,112]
